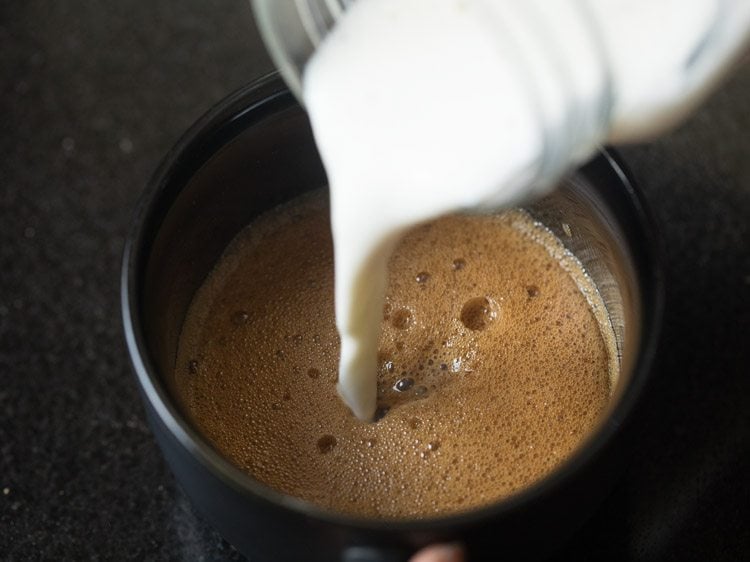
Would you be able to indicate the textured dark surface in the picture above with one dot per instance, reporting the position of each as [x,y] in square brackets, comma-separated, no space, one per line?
[93,93]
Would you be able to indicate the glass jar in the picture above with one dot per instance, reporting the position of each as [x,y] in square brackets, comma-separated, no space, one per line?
[293,29]
[661,57]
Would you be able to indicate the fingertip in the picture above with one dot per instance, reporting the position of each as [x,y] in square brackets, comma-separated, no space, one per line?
[449,552]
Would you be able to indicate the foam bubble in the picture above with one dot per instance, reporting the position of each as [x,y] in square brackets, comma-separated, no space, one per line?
[326,444]
[239,317]
[478,313]
[402,385]
[193,366]
[401,319]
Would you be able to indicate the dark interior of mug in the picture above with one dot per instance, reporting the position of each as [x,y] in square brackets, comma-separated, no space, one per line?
[254,161]
[269,162]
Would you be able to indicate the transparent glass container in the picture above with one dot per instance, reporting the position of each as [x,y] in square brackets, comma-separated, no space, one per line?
[660,58]
[596,71]
[293,29]
[572,117]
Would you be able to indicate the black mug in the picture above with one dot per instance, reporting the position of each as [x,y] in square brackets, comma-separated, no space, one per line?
[255,150]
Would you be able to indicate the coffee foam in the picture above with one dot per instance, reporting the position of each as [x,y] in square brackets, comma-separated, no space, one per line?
[493,365]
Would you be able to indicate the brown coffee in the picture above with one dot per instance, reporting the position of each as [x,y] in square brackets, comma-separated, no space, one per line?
[494,365]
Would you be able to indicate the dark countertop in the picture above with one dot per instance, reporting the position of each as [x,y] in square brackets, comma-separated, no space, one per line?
[92,94]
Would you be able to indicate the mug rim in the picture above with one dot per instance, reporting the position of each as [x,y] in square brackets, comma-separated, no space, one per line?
[260,96]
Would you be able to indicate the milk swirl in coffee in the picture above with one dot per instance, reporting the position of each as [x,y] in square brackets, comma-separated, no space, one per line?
[495,361]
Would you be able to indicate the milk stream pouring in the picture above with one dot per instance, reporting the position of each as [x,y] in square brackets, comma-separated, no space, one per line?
[423,107]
